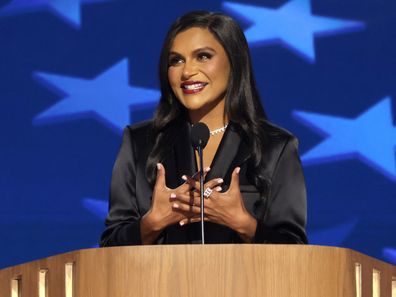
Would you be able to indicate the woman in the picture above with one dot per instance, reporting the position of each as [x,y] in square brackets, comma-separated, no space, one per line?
[255,187]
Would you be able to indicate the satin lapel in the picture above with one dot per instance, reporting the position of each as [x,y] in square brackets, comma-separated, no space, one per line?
[184,152]
[229,154]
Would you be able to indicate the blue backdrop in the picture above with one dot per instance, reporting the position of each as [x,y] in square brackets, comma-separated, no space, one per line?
[75,72]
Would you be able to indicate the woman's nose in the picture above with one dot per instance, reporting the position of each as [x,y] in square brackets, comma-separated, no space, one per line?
[190,69]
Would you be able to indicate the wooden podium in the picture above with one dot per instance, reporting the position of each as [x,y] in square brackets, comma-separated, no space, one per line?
[201,271]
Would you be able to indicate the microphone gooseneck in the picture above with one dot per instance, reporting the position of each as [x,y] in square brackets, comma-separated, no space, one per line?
[199,138]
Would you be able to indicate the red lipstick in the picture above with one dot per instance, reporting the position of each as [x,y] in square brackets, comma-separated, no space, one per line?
[192,87]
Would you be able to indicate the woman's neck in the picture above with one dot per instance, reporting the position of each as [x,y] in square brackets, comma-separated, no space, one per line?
[214,118]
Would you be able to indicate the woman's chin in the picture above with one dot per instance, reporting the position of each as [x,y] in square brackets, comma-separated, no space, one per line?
[194,104]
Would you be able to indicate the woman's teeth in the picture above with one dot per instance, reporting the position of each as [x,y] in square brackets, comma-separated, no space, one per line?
[194,86]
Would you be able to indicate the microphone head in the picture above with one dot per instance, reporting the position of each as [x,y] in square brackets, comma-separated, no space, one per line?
[199,135]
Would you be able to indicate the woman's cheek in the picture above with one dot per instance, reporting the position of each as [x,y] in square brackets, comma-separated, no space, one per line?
[171,76]
[210,69]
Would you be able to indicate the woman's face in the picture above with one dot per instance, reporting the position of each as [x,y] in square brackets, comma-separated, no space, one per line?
[198,69]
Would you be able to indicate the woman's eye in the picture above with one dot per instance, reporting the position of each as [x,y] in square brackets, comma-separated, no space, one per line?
[204,56]
[173,61]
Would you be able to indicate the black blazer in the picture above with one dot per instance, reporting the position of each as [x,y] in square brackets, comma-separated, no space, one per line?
[281,217]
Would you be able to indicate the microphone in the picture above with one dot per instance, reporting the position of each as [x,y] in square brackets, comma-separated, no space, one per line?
[199,138]
[199,135]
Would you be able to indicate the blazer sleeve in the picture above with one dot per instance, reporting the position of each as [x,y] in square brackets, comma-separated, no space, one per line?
[285,219]
[123,220]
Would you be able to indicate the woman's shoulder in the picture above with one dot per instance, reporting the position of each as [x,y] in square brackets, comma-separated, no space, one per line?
[279,144]
[276,134]
[140,126]
[139,130]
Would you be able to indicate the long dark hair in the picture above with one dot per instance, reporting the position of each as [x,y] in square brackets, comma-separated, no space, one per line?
[242,106]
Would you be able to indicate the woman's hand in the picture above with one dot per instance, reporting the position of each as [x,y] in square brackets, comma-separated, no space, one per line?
[222,208]
[161,213]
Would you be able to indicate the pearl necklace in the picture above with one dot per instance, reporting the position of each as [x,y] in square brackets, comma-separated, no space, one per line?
[219,130]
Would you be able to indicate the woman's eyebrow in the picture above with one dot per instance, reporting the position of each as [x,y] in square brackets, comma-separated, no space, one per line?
[206,48]
[172,53]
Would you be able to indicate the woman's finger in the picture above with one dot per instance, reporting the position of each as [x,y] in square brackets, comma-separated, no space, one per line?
[215,189]
[184,188]
[160,180]
[193,180]
[234,185]
[192,220]
[177,206]
[196,175]
[213,183]
[189,199]
[190,181]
